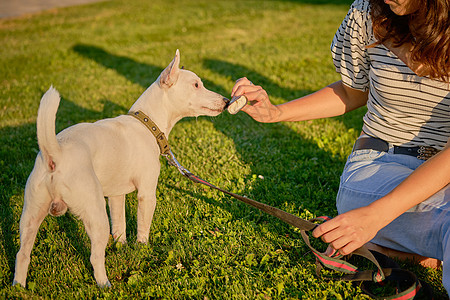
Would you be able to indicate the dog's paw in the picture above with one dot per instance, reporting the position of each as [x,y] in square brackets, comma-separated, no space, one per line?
[18,284]
[120,239]
[143,240]
[104,285]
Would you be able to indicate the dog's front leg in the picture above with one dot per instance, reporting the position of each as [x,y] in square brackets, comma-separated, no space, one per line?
[118,220]
[146,208]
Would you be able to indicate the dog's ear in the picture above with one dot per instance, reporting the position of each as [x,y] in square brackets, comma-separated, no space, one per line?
[170,74]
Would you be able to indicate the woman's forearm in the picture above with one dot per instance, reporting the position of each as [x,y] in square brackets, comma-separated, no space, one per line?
[424,182]
[333,100]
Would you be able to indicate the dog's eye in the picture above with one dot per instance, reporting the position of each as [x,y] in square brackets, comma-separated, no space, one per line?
[196,85]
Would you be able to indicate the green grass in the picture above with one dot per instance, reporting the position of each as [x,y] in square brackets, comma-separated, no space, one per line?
[203,244]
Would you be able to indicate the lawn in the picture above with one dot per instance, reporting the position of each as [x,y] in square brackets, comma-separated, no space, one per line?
[202,244]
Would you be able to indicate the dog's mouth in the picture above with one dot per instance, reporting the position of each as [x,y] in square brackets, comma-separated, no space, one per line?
[218,110]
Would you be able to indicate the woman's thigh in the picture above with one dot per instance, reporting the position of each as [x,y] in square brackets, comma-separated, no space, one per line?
[369,175]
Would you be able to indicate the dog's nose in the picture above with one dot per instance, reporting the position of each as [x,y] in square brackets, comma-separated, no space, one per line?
[227,102]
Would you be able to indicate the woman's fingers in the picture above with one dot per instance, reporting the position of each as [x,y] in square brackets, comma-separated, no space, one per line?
[259,106]
[336,238]
[347,232]
[256,95]
[247,90]
[240,82]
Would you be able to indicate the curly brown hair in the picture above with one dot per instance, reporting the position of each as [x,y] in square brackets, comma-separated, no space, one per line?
[427,30]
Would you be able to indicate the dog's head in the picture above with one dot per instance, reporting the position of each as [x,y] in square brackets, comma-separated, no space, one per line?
[187,92]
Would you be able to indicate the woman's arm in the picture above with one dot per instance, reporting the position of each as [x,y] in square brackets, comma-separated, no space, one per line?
[333,100]
[351,230]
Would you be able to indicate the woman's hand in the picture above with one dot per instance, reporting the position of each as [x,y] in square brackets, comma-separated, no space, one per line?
[259,107]
[349,231]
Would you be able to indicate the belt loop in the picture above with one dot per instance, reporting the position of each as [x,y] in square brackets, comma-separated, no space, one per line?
[390,148]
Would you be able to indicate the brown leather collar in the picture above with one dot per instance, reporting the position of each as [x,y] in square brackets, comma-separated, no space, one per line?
[161,139]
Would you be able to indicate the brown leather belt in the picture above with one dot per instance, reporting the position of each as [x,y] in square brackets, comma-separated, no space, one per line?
[421,152]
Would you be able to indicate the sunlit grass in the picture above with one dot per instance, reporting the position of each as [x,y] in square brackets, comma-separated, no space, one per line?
[203,244]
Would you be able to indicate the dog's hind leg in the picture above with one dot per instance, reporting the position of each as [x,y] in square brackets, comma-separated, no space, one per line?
[36,204]
[118,220]
[87,202]
[96,223]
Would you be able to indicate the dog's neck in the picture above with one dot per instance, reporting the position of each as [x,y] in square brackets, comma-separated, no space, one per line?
[154,103]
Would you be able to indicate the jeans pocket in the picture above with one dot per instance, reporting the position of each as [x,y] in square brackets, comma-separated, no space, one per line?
[358,160]
[365,154]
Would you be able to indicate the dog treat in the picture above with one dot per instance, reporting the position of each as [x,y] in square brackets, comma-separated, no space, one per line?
[236,104]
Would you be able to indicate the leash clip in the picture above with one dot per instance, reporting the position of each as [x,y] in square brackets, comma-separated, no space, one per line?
[174,162]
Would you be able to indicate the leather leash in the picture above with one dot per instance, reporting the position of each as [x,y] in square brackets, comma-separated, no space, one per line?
[334,261]
[167,153]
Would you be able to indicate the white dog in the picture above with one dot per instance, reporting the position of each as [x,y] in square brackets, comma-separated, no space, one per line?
[108,158]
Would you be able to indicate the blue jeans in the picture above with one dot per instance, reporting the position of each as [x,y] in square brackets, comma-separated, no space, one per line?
[424,229]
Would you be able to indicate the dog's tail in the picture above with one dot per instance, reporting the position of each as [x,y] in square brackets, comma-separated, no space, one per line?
[46,136]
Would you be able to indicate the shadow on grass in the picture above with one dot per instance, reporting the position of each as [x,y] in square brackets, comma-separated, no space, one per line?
[295,170]
[286,161]
[236,71]
[142,74]
[289,159]
[351,120]
[281,146]
[18,152]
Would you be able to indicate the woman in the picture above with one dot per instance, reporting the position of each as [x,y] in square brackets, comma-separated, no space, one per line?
[393,56]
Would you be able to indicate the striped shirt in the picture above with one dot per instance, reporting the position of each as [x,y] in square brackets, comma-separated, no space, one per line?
[403,109]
